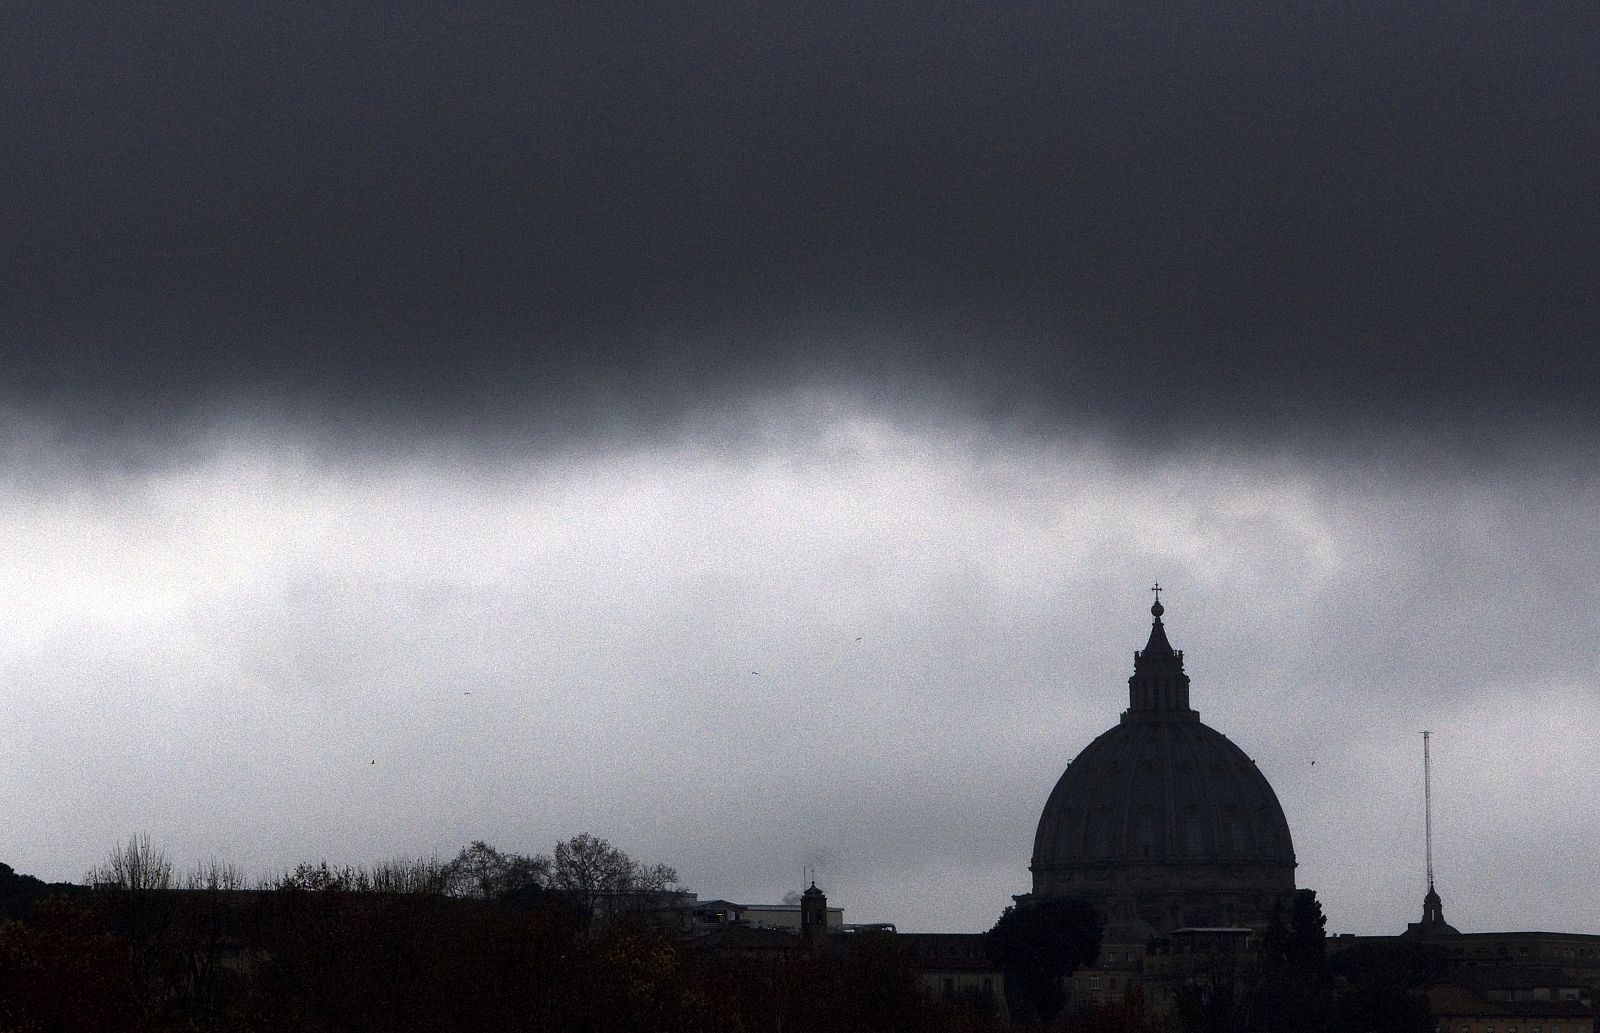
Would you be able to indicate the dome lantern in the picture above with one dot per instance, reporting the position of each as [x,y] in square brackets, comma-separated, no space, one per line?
[1158,688]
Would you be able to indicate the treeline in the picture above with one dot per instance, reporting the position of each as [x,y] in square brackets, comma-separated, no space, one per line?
[21,895]
[487,941]
[579,940]
[585,865]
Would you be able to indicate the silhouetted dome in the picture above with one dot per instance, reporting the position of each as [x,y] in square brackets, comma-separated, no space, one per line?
[1166,791]
[1161,821]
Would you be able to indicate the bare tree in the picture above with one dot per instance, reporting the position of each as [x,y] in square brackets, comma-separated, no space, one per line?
[400,875]
[205,942]
[134,887]
[216,876]
[315,878]
[138,866]
[479,872]
[586,866]
[654,878]
[524,877]
[407,875]
[599,879]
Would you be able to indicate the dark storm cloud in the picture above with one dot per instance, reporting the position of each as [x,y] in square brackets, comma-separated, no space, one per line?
[1264,220]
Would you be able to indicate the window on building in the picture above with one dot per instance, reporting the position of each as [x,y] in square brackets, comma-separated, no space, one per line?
[1096,983]
[988,984]
[949,987]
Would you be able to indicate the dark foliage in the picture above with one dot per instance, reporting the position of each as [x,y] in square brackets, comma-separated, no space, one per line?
[1383,986]
[21,895]
[323,951]
[1129,1015]
[1037,945]
[1294,991]
[66,975]
[1209,1009]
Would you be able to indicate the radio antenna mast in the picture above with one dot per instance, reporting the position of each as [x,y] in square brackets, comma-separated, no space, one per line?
[1427,807]
[1433,923]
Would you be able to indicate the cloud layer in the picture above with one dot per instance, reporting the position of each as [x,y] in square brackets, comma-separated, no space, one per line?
[771,418]
[1289,225]
[872,654]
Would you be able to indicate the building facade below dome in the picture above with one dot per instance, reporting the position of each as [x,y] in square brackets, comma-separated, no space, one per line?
[1163,823]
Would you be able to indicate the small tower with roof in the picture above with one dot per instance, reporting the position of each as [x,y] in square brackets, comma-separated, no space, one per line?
[814,916]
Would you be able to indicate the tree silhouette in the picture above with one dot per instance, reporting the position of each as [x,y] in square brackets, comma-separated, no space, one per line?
[1040,943]
[136,866]
[1383,987]
[480,872]
[598,880]
[1294,991]
[133,895]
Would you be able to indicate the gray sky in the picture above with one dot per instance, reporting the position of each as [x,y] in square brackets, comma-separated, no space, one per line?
[774,420]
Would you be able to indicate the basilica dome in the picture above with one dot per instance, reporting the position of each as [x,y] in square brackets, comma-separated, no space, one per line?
[1162,822]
